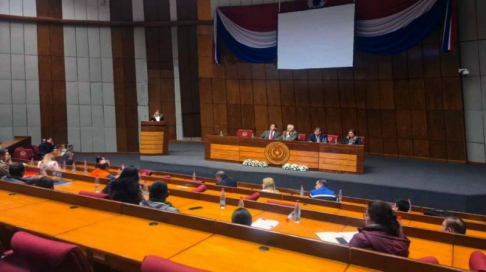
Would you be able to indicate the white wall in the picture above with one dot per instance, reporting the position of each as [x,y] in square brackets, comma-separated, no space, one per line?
[472,35]
[19,73]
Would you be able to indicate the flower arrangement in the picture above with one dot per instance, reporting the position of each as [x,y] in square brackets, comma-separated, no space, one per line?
[255,163]
[295,167]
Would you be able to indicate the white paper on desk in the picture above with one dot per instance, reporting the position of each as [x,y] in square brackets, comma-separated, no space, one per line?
[182,187]
[265,224]
[331,236]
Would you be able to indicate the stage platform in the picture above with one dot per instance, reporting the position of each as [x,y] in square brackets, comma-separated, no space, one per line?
[433,184]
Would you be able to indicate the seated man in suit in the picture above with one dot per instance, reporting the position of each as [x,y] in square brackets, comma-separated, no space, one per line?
[223,180]
[317,136]
[352,139]
[47,146]
[290,134]
[322,190]
[454,224]
[271,134]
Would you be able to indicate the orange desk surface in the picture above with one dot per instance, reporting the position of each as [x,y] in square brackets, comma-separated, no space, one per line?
[228,254]
[10,200]
[212,210]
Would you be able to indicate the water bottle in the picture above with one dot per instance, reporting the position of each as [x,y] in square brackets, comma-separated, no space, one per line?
[85,167]
[410,205]
[221,133]
[301,190]
[73,168]
[297,212]
[122,167]
[64,166]
[193,175]
[59,173]
[97,184]
[252,135]
[222,199]
[32,161]
[241,203]
[340,196]
[145,190]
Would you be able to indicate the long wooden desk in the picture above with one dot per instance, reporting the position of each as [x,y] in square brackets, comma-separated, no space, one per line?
[318,156]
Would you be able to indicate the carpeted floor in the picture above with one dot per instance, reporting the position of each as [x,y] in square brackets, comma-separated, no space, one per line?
[443,185]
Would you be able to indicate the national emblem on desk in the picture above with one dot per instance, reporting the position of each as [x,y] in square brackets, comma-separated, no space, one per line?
[277,153]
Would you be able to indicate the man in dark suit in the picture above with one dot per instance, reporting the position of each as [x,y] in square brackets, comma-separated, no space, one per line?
[318,137]
[271,134]
[224,180]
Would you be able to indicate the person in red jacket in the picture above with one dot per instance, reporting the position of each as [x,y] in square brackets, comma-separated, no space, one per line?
[382,232]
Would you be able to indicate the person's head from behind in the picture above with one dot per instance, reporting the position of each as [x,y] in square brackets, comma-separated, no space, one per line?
[125,190]
[273,127]
[44,141]
[317,131]
[44,182]
[268,184]
[321,183]
[48,158]
[220,175]
[49,140]
[4,156]
[290,128]
[351,134]
[99,158]
[382,213]
[241,216]
[401,205]
[104,164]
[454,224]
[158,191]
[130,172]
[17,170]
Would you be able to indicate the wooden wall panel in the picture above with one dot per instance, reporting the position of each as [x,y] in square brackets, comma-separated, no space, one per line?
[52,81]
[408,104]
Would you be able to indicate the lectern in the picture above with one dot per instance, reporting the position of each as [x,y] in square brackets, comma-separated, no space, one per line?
[154,138]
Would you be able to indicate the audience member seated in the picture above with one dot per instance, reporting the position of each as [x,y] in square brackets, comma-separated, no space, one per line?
[352,139]
[317,136]
[382,231]
[16,175]
[241,216]
[68,156]
[102,171]
[49,162]
[454,224]
[322,190]
[126,190]
[401,205]
[269,186]
[290,134]
[223,180]
[272,133]
[98,159]
[4,158]
[47,146]
[129,172]
[157,198]
[44,182]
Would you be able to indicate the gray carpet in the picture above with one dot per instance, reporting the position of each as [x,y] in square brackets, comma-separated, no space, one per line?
[442,185]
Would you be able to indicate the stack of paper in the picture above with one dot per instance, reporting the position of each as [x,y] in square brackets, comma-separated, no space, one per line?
[265,224]
[331,236]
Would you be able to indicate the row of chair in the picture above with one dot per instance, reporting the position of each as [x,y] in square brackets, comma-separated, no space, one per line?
[31,253]
[28,153]
[332,139]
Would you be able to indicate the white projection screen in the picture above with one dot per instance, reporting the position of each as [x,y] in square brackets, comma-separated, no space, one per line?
[316,38]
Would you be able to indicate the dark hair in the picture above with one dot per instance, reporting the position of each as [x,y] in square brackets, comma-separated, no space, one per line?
[354,132]
[382,213]
[456,224]
[17,170]
[98,158]
[158,191]
[402,205]
[130,172]
[44,182]
[241,216]
[317,128]
[323,183]
[274,125]
[126,190]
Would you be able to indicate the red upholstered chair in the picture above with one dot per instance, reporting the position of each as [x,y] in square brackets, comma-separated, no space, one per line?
[23,153]
[362,140]
[46,255]
[332,139]
[145,172]
[477,261]
[280,203]
[164,176]
[429,259]
[157,264]
[253,197]
[301,137]
[244,133]
[37,153]
[200,189]
[93,194]
[13,263]
[197,181]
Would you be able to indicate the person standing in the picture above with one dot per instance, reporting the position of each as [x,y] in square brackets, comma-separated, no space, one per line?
[157,117]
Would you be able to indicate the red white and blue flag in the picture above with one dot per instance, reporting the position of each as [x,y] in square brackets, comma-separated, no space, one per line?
[383,27]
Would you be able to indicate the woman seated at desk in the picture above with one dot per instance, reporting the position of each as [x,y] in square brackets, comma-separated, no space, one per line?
[352,139]
[157,117]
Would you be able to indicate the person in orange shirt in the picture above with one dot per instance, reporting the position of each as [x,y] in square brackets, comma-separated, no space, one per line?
[102,171]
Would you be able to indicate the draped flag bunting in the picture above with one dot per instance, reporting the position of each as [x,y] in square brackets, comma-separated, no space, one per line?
[383,27]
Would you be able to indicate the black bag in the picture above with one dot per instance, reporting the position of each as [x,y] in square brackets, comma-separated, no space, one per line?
[438,213]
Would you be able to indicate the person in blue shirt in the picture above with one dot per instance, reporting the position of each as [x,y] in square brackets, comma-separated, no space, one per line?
[322,190]
[318,136]
[352,139]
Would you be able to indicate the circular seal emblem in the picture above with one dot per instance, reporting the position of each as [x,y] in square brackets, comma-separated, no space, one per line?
[277,153]
[23,153]
[244,134]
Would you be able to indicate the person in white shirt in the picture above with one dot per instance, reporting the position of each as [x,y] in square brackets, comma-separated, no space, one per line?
[49,162]
[157,117]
